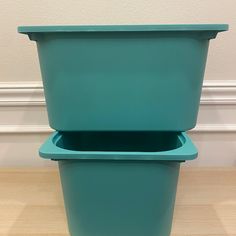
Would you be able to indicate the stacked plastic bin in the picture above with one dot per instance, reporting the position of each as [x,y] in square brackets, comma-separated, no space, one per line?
[120,98]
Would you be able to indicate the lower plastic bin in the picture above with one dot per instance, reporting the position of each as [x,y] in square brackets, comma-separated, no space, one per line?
[119,184]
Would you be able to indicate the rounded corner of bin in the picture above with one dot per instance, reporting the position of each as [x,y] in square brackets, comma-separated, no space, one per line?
[26,30]
[219,29]
[193,155]
[48,148]
[44,153]
[20,29]
[225,27]
[188,150]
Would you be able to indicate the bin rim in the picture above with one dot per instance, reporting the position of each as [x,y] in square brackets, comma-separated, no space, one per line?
[187,151]
[121,28]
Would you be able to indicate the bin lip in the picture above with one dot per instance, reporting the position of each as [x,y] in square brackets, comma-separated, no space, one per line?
[120,28]
[187,151]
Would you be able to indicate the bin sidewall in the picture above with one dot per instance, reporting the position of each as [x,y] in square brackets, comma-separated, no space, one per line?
[122,81]
[125,198]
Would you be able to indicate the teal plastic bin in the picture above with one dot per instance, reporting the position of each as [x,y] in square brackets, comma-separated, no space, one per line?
[122,78]
[119,183]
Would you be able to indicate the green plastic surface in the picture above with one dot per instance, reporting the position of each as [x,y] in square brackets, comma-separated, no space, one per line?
[92,28]
[122,78]
[121,198]
[165,146]
[128,190]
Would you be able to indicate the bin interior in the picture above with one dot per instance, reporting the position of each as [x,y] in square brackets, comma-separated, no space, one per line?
[119,141]
[118,146]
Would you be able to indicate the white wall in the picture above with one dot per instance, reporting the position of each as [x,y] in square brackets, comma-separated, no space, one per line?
[18,55]
[23,120]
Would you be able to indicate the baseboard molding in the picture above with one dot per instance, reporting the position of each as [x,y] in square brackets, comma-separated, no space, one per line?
[21,94]
[216,128]
[25,129]
[31,93]
[41,129]
[21,149]
[219,92]
[22,107]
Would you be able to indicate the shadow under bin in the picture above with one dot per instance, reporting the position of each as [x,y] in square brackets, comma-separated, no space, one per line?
[119,183]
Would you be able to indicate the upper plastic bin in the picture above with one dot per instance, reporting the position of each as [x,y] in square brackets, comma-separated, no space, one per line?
[123,77]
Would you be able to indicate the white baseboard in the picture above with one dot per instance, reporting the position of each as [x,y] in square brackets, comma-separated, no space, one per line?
[20,149]
[217,128]
[219,92]
[22,107]
[21,94]
[45,129]
[31,93]
[24,124]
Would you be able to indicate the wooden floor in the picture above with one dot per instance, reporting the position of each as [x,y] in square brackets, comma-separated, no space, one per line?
[31,203]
